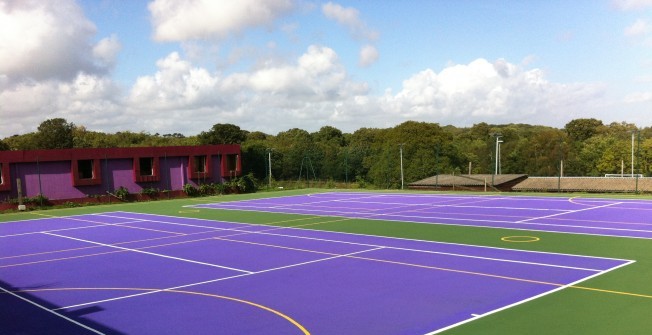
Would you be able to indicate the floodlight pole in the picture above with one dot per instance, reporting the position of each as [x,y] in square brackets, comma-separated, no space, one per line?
[498,141]
[401,153]
[269,160]
[633,131]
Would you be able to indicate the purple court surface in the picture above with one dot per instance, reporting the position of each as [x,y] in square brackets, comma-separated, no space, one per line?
[593,216]
[132,273]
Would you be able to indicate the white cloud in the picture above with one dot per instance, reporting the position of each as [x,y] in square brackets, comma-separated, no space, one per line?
[350,18]
[638,97]
[632,4]
[200,19]
[638,28]
[106,51]
[87,100]
[499,93]
[368,55]
[45,40]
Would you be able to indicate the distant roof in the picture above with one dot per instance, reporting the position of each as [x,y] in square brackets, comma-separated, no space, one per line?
[467,180]
[585,184]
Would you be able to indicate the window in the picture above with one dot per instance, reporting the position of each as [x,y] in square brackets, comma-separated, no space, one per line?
[5,181]
[86,172]
[199,167]
[200,164]
[146,166]
[85,169]
[146,169]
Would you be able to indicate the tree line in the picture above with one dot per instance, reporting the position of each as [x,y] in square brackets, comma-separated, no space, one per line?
[372,156]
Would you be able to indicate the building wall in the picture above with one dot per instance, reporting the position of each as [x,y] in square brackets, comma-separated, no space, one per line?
[52,172]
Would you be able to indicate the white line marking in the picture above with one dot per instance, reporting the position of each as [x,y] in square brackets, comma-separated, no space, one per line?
[437,331]
[148,253]
[216,280]
[51,311]
[569,212]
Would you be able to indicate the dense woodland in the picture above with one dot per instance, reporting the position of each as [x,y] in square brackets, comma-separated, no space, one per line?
[371,156]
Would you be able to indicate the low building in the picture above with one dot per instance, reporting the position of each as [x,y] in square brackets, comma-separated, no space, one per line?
[78,173]
[473,182]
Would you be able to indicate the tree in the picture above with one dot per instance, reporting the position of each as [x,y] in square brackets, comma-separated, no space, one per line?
[55,134]
[223,133]
[3,146]
[581,130]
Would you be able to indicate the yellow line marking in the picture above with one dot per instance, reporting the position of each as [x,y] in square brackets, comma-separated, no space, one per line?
[520,239]
[444,269]
[189,211]
[250,303]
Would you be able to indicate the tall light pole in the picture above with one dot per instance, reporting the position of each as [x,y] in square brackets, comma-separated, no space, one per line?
[498,141]
[401,152]
[633,131]
[269,160]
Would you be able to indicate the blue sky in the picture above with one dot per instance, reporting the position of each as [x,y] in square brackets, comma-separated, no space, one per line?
[168,66]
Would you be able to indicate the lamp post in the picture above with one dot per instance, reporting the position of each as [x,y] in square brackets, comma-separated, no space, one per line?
[401,153]
[498,141]
[633,131]
[269,160]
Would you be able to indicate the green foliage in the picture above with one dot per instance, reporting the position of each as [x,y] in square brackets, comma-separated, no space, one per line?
[150,191]
[122,193]
[190,190]
[223,134]
[55,134]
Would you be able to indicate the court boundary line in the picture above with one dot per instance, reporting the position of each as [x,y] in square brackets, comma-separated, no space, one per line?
[148,253]
[51,311]
[572,285]
[458,224]
[560,286]
[224,278]
[375,236]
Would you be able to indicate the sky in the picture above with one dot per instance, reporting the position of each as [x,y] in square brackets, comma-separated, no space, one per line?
[172,66]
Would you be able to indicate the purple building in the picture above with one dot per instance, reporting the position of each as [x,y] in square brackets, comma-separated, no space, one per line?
[79,173]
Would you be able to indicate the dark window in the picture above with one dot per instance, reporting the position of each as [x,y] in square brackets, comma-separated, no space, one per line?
[200,164]
[146,166]
[85,168]
[231,162]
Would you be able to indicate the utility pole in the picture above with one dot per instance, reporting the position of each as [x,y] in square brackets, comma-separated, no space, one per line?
[401,152]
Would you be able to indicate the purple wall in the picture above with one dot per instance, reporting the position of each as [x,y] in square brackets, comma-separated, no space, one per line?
[56,178]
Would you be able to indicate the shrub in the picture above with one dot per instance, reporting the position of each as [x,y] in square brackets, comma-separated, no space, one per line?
[122,193]
[190,190]
[150,191]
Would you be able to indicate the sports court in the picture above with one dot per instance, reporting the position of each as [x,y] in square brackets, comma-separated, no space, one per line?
[134,273]
[593,216]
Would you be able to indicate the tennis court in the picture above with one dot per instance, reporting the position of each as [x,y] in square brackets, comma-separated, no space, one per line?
[135,273]
[594,216]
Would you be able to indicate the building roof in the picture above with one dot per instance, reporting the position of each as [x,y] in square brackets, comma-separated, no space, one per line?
[467,180]
[585,184]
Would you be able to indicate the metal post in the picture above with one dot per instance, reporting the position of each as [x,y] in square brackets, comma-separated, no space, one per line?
[401,152]
[270,167]
[632,153]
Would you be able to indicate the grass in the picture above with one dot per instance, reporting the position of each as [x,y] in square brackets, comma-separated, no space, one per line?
[619,302]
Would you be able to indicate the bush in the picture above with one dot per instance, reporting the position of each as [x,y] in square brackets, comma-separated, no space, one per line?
[190,190]
[150,191]
[122,193]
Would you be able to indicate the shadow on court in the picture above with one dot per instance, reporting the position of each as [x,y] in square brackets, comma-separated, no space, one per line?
[20,317]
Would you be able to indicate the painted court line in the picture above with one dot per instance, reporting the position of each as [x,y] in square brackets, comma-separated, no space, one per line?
[458,219]
[569,212]
[218,279]
[148,253]
[275,228]
[51,311]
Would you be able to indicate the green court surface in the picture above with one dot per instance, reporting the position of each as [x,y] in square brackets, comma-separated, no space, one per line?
[618,302]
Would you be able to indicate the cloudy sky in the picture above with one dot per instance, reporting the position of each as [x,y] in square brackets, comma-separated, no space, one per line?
[169,66]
